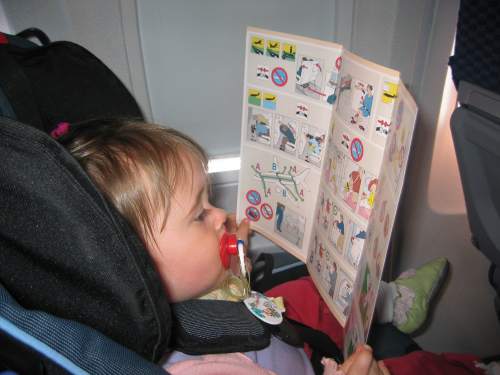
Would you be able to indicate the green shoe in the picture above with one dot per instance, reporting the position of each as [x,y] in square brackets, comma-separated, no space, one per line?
[415,290]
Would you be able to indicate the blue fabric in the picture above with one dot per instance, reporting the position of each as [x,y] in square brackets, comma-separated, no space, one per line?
[71,345]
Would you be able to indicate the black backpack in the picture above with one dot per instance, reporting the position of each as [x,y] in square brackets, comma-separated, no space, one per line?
[44,85]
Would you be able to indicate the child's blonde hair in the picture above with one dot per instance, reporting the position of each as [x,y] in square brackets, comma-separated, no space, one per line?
[136,165]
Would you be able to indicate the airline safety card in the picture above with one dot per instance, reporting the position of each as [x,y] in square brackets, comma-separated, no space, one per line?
[315,125]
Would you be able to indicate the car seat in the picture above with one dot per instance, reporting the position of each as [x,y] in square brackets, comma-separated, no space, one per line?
[65,251]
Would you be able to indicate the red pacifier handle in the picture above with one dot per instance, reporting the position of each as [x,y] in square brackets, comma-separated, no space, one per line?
[228,247]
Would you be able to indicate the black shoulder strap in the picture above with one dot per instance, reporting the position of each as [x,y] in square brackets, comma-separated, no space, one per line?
[210,327]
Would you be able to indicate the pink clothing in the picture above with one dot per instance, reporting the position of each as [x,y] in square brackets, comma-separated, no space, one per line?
[217,364]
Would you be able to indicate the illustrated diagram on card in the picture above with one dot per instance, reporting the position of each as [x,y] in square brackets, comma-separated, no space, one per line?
[367,198]
[351,183]
[310,76]
[356,244]
[311,144]
[325,140]
[260,125]
[286,181]
[324,214]
[338,229]
[355,102]
[325,264]
[344,294]
[289,224]
[286,134]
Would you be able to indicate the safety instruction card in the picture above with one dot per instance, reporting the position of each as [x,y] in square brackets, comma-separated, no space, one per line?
[324,147]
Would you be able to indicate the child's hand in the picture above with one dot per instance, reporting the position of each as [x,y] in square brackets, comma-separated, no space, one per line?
[361,362]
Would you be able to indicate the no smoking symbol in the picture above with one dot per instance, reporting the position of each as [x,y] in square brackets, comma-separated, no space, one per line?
[356,149]
[279,76]
[267,211]
[253,197]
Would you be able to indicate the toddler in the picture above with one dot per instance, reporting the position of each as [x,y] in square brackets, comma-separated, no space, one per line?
[157,179]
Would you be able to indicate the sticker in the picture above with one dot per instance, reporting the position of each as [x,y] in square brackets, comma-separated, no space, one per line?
[252,214]
[266,211]
[269,101]
[356,149]
[263,308]
[273,48]
[302,111]
[257,45]
[253,197]
[254,97]
[279,76]
[263,72]
[289,51]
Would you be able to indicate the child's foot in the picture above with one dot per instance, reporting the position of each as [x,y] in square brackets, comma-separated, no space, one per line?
[414,292]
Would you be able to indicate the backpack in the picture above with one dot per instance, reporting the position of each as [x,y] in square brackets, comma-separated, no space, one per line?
[44,85]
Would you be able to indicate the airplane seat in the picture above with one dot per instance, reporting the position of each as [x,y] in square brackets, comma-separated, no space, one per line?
[475,125]
[475,129]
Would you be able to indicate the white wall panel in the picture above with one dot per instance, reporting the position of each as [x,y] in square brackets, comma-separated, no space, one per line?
[194,58]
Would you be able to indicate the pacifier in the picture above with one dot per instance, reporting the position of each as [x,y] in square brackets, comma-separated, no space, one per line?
[228,247]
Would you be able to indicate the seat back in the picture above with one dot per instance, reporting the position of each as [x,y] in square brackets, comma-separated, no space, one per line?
[475,127]
[476,134]
[44,85]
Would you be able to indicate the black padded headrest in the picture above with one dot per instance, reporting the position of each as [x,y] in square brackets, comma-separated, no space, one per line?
[65,251]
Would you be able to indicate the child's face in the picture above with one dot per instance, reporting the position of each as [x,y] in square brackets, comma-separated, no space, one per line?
[187,252]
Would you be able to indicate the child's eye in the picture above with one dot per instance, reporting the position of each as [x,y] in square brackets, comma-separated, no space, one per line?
[201,216]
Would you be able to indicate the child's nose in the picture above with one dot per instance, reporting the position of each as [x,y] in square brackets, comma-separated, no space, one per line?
[220,218]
